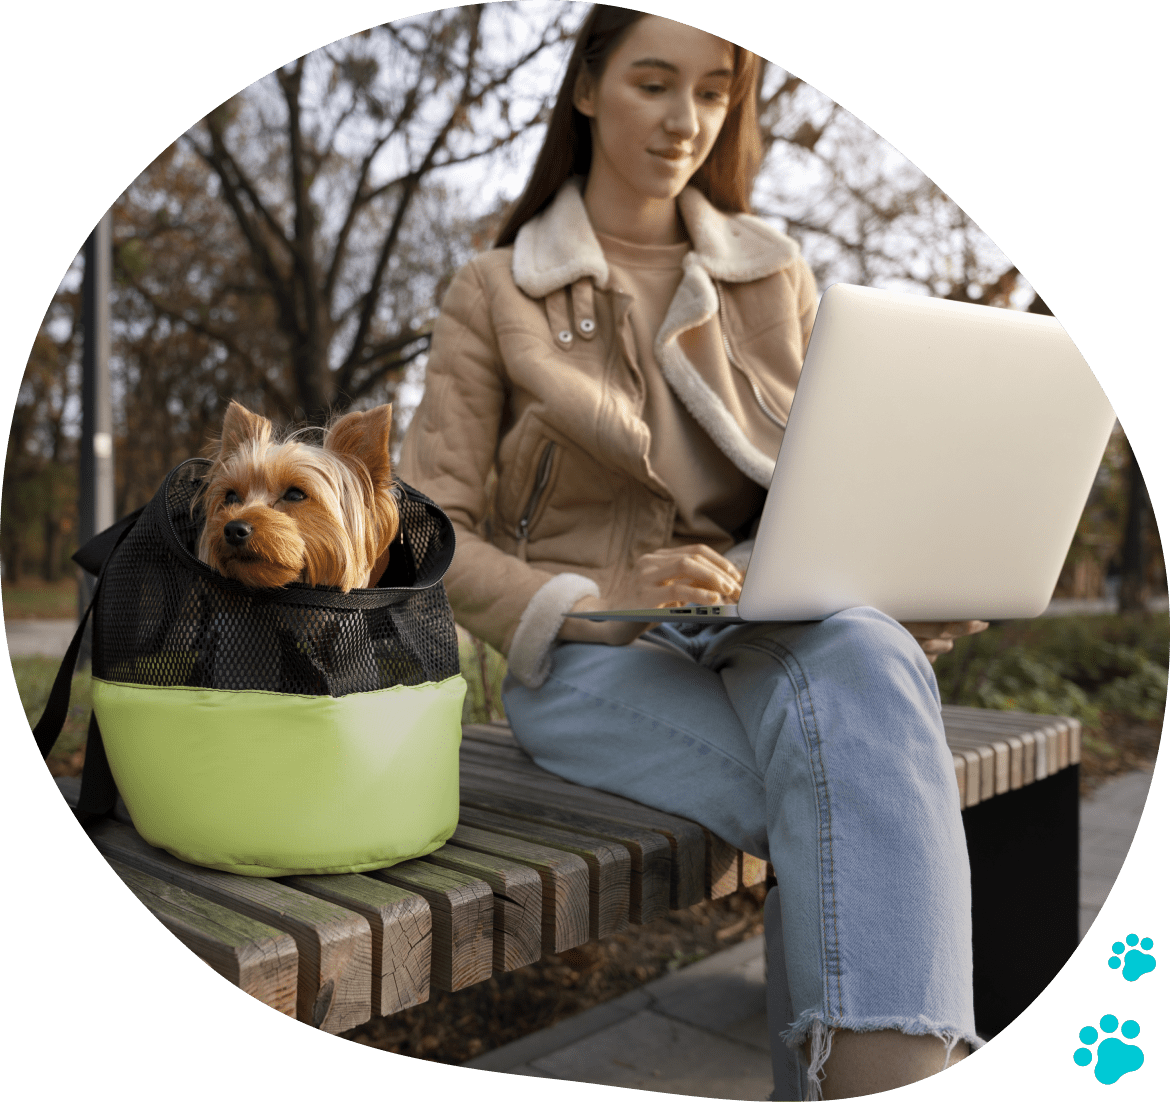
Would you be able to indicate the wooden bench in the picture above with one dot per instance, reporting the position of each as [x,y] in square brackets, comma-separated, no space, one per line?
[541,865]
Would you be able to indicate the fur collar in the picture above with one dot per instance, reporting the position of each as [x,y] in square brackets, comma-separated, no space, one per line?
[558,246]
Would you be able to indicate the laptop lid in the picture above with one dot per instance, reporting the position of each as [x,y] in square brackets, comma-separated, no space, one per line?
[937,460]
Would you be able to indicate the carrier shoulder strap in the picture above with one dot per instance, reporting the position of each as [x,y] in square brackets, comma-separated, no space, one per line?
[98,792]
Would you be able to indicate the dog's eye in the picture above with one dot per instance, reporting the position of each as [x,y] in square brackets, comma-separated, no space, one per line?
[231,498]
[293,494]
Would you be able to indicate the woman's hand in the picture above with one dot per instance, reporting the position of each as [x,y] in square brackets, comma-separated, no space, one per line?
[668,578]
[937,637]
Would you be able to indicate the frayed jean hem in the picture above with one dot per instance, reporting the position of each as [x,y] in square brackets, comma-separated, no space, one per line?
[815,1029]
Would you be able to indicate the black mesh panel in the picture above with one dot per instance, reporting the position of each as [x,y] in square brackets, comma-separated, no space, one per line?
[164,618]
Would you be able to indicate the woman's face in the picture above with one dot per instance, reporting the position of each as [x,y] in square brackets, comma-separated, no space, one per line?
[657,108]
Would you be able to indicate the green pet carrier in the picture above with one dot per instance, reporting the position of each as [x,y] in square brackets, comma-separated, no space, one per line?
[268,731]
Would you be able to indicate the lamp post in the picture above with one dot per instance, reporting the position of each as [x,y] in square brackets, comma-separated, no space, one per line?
[96,504]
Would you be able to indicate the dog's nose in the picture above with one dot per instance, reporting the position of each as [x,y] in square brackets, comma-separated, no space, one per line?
[236,532]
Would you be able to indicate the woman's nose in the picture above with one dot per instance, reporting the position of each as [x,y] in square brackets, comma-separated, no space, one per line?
[683,119]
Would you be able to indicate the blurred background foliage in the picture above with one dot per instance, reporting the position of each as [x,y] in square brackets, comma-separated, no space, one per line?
[292,248]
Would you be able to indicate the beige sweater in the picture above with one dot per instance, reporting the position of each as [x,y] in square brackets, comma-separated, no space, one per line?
[712,497]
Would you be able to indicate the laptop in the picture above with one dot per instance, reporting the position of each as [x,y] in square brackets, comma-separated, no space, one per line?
[936,462]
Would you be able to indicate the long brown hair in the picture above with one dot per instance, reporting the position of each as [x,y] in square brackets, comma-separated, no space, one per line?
[725,177]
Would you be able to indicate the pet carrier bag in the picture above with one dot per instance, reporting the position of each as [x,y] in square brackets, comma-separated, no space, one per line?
[269,731]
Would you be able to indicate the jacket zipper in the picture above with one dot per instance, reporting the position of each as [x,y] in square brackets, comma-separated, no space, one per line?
[542,473]
[731,360]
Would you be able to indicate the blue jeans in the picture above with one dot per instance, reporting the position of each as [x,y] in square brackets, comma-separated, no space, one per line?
[819,747]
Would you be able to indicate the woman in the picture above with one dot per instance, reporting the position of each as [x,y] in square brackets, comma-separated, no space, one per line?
[606,394]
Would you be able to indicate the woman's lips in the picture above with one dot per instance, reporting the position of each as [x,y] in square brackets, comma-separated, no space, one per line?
[671,154]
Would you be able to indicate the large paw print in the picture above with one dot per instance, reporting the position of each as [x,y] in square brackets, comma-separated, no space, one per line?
[1114,1058]
[1137,963]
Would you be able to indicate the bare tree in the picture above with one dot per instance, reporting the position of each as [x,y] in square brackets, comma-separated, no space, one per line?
[324,169]
[863,213]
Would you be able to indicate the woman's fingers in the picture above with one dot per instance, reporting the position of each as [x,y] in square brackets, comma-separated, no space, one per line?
[696,566]
[944,629]
[938,636]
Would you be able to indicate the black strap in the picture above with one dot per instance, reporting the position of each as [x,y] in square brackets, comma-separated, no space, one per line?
[93,556]
[98,791]
[48,727]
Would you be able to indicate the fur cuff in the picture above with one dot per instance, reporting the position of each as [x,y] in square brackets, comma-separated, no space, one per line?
[529,658]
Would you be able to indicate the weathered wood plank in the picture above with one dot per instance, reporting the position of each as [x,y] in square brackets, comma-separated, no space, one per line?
[462,921]
[400,931]
[687,845]
[752,870]
[1021,743]
[1057,738]
[257,958]
[564,881]
[649,851]
[483,746]
[334,945]
[994,757]
[722,867]
[720,860]
[973,775]
[608,863]
[517,902]
[961,777]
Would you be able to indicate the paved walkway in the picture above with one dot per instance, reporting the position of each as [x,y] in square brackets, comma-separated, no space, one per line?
[48,637]
[702,1030]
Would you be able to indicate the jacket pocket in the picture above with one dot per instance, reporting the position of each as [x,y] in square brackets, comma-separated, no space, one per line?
[536,496]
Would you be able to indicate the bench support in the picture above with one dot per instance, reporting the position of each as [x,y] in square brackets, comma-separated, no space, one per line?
[1025,884]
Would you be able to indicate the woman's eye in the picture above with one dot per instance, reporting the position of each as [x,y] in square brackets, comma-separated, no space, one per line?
[231,498]
[293,494]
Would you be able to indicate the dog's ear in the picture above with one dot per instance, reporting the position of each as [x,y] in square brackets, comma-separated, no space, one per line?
[364,437]
[242,426]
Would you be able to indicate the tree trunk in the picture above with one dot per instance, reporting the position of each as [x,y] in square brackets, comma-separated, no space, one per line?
[49,566]
[14,562]
[1132,594]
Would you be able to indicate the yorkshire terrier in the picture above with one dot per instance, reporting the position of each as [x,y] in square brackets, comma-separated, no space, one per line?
[279,511]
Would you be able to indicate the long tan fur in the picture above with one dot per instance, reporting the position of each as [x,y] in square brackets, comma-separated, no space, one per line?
[335,535]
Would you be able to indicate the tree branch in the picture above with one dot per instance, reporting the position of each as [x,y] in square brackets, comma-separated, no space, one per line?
[409,189]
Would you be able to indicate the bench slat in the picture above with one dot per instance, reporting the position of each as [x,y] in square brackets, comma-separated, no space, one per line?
[400,929]
[687,846]
[752,870]
[462,920]
[649,851]
[516,891]
[996,756]
[1058,738]
[334,945]
[608,864]
[257,958]
[960,777]
[720,861]
[564,881]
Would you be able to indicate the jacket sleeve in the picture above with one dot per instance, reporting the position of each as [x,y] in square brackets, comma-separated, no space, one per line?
[448,454]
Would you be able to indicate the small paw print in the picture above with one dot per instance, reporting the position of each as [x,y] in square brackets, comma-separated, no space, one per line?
[1137,963]
[1114,1058]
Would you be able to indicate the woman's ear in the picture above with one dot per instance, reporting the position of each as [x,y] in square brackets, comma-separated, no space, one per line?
[583,93]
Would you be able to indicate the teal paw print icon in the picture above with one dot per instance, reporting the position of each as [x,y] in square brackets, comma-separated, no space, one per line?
[1114,1057]
[1136,963]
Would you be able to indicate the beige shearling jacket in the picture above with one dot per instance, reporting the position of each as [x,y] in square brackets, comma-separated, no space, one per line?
[530,435]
